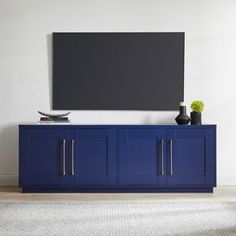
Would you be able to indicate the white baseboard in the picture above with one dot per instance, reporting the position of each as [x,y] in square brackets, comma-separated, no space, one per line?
[8,180]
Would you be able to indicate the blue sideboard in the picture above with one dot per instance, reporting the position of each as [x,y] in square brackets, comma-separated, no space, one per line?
[117,158]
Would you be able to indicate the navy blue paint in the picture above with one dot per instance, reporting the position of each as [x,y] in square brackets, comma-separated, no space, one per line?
[117,158]
[95,159]
[41,156]
[140,156]
[106,189]
[192,157]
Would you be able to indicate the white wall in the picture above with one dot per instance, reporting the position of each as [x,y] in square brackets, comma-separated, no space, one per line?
[25,63]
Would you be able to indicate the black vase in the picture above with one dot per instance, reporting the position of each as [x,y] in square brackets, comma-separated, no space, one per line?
[182,118]
[196,118]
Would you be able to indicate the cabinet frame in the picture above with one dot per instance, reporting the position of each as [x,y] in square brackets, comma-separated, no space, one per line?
[117,181]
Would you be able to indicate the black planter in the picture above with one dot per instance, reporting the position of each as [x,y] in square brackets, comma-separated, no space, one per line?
[182,118]
[196,118]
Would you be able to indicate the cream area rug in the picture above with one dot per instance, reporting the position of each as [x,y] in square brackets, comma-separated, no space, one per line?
[125,218]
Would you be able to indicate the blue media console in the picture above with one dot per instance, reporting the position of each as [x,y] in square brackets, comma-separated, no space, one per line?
[117,158]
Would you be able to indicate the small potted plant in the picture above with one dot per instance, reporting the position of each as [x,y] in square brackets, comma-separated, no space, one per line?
[196,115]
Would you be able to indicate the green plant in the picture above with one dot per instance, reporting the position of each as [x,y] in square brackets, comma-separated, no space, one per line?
[197,106]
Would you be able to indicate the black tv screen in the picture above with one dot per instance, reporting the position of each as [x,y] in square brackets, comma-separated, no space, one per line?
[118,71]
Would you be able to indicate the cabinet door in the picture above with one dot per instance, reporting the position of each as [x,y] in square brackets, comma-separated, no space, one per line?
[41,156]
[141,156]
[191,157]
[95,156]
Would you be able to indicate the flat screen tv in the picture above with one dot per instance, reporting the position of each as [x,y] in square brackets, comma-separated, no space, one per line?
[118,71]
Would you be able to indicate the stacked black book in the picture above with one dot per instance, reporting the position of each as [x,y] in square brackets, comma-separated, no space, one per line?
[57,119]
[54,120]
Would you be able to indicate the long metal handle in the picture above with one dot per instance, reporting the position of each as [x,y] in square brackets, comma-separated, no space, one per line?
[162,157]
[64,157]
[171,157]
[73,157]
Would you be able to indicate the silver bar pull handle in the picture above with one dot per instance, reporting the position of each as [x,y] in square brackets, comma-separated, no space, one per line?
[64,157]
[73,157]
[171,157]
[162,157]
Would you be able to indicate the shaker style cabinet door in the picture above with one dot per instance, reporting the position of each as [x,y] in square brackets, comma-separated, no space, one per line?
[94,156]
[142,156]
[191,157]
[42,156]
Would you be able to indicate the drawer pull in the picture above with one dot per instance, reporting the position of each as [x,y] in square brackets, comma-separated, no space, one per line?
[73,157]
[162,157]
[171,157]
[64,157]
